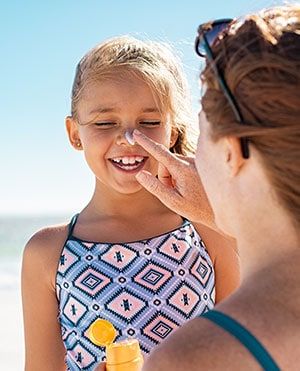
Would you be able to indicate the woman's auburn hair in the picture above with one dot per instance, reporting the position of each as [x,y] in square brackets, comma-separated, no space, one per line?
[260,60]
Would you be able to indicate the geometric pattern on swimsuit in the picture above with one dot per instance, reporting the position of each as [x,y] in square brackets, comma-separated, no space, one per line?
[146,289]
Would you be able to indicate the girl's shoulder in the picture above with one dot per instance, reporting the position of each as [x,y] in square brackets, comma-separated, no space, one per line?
[50,236]
[42,251]
[215,241]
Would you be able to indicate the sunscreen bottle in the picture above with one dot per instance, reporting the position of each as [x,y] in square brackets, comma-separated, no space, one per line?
[121,356]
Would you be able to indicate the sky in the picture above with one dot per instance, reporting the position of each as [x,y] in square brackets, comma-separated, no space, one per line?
[41,43]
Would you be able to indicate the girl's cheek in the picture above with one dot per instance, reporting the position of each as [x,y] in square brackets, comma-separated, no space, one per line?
[100,135]
[159,134]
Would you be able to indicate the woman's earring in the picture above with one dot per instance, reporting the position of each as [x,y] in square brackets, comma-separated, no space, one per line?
[78,144]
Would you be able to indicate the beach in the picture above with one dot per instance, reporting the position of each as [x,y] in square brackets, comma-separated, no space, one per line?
[11,334]
[14,232]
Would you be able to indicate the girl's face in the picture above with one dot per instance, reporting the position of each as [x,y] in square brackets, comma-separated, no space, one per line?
[106,111]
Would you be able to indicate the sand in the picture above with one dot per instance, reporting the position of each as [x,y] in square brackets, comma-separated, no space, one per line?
[11,328]
[11,333]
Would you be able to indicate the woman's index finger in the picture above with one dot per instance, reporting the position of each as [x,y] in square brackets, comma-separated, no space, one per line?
[158,151]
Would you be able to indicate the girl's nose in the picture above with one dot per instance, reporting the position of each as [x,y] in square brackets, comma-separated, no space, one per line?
[129,137]
[126,137]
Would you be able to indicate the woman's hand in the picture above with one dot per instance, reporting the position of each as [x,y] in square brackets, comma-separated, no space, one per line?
[177,184]
[101,367]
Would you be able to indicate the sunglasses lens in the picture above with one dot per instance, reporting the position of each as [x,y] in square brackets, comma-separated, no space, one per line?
[211,36]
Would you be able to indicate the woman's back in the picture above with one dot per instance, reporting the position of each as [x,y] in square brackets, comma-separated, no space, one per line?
[266,305]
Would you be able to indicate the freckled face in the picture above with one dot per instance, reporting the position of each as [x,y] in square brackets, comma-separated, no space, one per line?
[211,170]
[107,110]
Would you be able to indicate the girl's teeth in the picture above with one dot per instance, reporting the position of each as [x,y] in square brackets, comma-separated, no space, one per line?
[129,163]
[128,160]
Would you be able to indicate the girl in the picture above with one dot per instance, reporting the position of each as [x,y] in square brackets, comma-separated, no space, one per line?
[125,257]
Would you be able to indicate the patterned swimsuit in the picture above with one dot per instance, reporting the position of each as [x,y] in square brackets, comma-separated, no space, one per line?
[145,288]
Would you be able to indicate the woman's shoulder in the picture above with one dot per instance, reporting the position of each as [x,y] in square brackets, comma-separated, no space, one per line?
[205,347]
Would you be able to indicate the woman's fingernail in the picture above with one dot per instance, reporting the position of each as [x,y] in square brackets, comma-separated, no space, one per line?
[136,132]
[139,176]
[142,175]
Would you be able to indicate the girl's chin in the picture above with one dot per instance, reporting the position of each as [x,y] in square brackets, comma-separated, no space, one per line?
[128,188]
[124,187]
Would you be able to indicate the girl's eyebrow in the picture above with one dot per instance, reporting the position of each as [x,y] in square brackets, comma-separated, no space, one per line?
[104,110]
[114,109]
[150,110]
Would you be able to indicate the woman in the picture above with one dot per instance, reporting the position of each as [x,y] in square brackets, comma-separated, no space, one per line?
[248,158]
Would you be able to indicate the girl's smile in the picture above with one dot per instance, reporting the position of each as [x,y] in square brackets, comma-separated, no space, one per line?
[129,163]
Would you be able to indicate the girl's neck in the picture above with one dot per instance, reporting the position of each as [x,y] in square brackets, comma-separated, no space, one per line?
[111,217]
[123,206]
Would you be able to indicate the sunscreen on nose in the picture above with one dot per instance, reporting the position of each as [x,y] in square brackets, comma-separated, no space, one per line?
[129,137]
[121,356]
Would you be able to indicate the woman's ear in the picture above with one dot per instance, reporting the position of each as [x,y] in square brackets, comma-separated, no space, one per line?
[234,156]
[73,133]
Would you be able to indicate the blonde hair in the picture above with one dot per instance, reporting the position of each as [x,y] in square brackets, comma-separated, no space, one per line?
[156,65]
[260,59]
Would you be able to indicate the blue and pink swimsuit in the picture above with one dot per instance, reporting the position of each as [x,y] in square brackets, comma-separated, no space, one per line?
[146,289]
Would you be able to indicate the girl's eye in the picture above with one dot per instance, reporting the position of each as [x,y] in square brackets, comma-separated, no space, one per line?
[150,123]
[105,124]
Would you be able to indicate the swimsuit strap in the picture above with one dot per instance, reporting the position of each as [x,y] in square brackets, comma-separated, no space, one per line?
[244,336]
[72,225]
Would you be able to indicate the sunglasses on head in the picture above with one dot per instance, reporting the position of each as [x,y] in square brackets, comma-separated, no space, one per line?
[207,35]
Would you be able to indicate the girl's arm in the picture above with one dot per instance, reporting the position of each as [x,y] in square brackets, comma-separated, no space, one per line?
[44,349]
[223,253]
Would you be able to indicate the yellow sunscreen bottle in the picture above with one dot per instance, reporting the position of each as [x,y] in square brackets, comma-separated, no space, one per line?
[121,356]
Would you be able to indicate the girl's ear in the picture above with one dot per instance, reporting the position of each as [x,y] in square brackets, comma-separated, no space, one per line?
[73,133]
[174,137]
[234,156]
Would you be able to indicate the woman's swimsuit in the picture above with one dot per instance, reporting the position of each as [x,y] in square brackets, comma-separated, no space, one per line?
[146,289]
[243,336]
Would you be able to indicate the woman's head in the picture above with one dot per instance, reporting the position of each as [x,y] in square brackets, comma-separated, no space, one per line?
[151,62]
[259,57]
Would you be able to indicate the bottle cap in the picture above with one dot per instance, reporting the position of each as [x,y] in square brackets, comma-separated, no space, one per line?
[102,332]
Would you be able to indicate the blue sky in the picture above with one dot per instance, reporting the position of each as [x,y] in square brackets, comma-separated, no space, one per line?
[41,43]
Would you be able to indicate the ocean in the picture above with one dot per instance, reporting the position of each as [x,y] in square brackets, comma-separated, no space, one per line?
[15,231]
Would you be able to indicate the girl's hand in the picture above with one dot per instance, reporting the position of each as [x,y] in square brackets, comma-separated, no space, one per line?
[177,184]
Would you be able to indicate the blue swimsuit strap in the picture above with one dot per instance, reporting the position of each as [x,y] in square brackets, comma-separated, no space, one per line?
[244,336]
[72,225]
